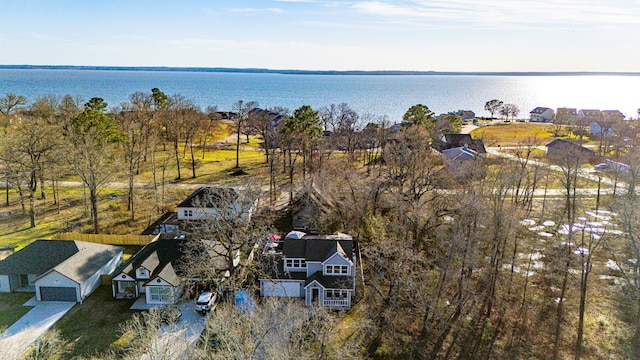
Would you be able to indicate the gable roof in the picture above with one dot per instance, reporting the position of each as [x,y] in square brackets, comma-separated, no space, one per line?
[87,261]
[330,282]
[54,254]
[161,257]
[318,247]
[539,110]
[567,147]
[210,196]
[460,153]
[450,141]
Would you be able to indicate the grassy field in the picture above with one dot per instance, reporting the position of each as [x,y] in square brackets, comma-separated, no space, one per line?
[513,134]
[11,308]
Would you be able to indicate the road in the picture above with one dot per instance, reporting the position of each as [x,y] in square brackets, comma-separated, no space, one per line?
[583,173]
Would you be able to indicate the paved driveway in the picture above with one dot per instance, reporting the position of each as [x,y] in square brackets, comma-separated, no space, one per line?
[178,340]
[19,336]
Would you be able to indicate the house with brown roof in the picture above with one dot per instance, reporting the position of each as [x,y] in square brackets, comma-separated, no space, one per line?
[561,150]
[319,268]
[566,115]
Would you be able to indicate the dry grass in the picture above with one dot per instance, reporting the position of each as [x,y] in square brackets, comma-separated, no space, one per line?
[514,134]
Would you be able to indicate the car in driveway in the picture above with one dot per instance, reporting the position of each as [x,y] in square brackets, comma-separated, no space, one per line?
[205,301]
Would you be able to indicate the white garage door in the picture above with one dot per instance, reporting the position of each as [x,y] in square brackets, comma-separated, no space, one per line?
[57,293]
[282,289]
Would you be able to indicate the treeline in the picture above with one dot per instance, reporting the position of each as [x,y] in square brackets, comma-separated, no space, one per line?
[446,271]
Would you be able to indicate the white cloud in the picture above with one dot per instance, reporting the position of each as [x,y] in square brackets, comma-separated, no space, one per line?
[255,10]
[501,13]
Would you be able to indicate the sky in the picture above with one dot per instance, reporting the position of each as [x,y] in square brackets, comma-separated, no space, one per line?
[438,35]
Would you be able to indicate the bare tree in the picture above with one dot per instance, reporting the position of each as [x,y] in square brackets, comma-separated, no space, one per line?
[91,138]
[27,153]
[242,114]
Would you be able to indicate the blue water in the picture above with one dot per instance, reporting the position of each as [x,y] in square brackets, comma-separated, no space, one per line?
[368,94]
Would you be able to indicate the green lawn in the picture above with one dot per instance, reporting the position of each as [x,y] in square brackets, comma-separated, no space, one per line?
[93,326]
[11,308]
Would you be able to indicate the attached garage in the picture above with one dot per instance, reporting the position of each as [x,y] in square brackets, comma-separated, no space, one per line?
[282,288]
[58,293]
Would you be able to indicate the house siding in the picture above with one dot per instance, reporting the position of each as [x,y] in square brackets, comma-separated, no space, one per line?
[313,267]
[91,284]
[174,291]
[55,279]
[4,283]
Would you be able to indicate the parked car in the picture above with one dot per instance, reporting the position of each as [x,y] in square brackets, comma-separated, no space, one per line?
[170,315]
[205,301]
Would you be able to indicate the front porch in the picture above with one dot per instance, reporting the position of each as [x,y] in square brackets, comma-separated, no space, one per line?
[316,294]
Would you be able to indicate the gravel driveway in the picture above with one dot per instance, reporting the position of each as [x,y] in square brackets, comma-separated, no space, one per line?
[19,336]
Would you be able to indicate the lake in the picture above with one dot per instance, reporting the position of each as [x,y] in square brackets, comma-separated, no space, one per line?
[378,95]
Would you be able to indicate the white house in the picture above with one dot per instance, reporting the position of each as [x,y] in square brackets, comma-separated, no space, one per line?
[65,270]
[154,272]
[541,114]
[319,268]
[210,202]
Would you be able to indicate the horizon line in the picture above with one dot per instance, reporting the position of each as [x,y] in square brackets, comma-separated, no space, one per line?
[312,72]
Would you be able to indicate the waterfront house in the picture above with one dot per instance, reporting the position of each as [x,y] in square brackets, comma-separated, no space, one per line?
[612,115]
[566,115]
[319,268]
[596,129]
[541,114]
[587,116]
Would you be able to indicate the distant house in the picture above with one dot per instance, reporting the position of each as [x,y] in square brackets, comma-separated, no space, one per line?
[275,118]
[566,115]
[612,115]
[587,116]
[560,150]
[319,268]
[450,141]
[466,115]
[59,270]
[210,202]
[541,114]
[597,129]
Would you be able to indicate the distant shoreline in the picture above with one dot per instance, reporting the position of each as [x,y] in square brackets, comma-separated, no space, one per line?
[315,72]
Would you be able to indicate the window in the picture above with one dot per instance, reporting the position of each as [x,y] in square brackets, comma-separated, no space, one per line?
[296,263]
[336,269]
[335,294]
[188,213]
[160,293]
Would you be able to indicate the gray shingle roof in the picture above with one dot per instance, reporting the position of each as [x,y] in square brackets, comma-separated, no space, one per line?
[73,259]
[87,261]
[317,247]
[210,197]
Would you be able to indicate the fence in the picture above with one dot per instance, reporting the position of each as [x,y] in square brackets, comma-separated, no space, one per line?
[108,238]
